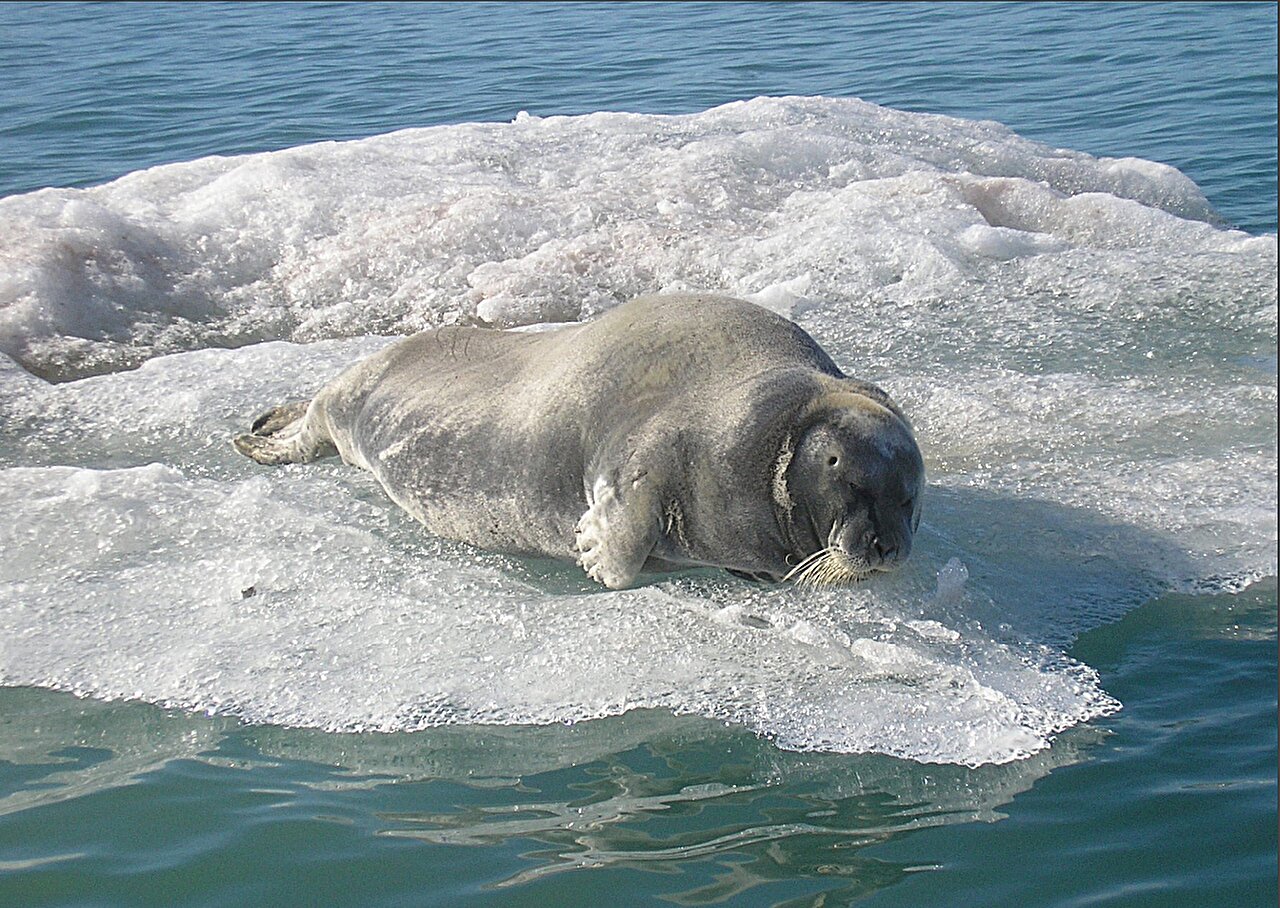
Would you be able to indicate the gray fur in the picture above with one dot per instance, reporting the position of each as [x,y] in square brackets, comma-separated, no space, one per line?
[660,435]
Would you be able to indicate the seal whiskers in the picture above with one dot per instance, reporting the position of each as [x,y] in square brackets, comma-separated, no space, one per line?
[825,567]
[804,565]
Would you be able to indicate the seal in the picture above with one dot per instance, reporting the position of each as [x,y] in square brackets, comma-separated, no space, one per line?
[673,431]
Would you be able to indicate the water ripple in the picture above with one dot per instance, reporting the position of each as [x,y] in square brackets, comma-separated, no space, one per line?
[253,77]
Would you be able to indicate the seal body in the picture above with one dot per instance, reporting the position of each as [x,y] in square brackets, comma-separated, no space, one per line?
[672,431]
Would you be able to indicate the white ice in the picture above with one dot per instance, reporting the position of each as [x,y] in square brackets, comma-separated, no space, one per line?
[1087,355]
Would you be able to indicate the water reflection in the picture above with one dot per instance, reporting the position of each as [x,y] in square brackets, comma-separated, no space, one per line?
[746,813]
[645,791]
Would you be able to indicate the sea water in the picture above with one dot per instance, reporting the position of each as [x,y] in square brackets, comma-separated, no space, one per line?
[1084,339]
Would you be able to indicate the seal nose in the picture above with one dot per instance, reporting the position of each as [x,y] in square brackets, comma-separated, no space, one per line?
[863,544]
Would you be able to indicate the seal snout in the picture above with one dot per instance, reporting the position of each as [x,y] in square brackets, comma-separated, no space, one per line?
[887,552]
[866,548]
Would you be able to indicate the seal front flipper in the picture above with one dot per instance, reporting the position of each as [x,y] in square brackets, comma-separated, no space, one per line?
[616,535]
[286,434]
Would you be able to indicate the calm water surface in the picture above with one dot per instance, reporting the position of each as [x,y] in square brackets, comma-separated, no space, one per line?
[1170,802]
[89,93]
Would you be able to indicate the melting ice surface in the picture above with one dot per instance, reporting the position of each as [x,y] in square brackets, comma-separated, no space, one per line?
[1087,354]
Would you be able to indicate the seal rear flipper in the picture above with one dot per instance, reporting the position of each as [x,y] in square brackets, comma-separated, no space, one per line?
[285,434]
[277,418]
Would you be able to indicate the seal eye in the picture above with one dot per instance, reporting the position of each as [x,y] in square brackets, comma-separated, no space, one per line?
[832,460]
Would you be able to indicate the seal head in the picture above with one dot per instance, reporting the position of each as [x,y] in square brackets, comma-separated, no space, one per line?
[853,486]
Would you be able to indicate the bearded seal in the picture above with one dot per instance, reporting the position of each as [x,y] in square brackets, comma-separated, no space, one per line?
[673,431]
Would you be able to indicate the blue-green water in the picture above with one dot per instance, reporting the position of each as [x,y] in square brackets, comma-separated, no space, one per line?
[1170,801]
[87,94]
